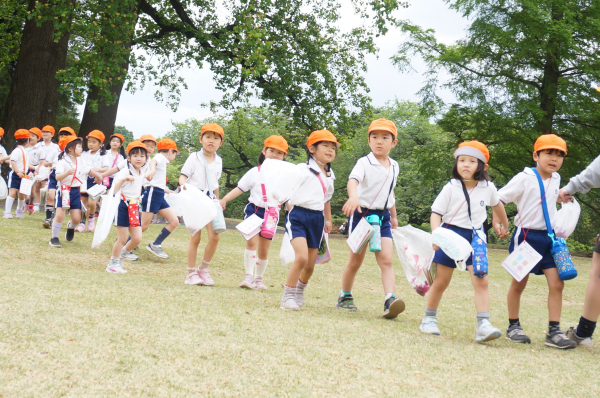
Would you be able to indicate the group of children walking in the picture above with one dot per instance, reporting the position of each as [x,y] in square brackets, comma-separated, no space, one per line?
[460,207]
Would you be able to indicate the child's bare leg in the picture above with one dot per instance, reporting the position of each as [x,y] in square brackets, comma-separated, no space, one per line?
[12,192]
[75,217]
[263,248]
[351,269]
[591,305]
[192,250]
[384,259]
[309,268]
[146,218]
[136,237]
[301,251]
[211,246]
[555,289]
[92,206]
[443,276]
[122,233]
[252,243]
[482,295]
[513,297]
[170,216]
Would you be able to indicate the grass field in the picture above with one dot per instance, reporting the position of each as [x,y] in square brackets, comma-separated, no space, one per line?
[67,328]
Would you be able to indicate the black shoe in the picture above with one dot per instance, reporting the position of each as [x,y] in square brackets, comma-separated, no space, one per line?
[136,248]
[70,234]
[393,307]
[517,334]
[46,223]
[54,242]
[558,339]
[346,302]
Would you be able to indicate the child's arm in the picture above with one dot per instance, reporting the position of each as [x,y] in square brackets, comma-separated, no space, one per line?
[327,212]
[95,174]
[435,221]
[393,217]
[352,203]
[120,183]
[217,193]
[150,174]
[500,220]
[62,176]
[182,180]
[234,193]
[13,166]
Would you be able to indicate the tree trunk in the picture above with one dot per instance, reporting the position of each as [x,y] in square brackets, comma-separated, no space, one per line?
[33,98]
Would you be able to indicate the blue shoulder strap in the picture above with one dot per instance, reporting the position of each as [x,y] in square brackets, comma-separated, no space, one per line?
[544,204]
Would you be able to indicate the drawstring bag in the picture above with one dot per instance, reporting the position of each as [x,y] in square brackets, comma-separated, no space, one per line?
[197,208]
[566,219]
[281,179]
[560,251]
[479,243]
[416,255]
[218,223]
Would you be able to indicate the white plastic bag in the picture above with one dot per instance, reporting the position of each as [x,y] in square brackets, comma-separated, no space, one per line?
[42,174]
[287,254]
[26,185]
[108,211]
[281,179]
[198,209]
[566,219]
[455,246]
[416,254]
[175,203]
[3,189]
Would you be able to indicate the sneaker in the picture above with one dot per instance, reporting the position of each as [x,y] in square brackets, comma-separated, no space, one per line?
[486,332]
[558,339]
[346,302]
[8,215]
[70,234]
[392,307]
[19,213]
[585,342]
[259,284]
[288,302]
[46,223]
[80,228]
[193,278]
[36,209]
[429,325]
[91,225]
[54,242]
[115,267]
[30,208]
[129,256]
[136,248]
[156,250]
[300,296]
[248,282]
[517,334]
[205,275]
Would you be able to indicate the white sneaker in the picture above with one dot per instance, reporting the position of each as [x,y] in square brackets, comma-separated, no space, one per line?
[289,303]
[429,325]
[486,332]
[585,342]
[193,279]
[36,209]
[129,256]
[8,215]
[114,267]
[248,282]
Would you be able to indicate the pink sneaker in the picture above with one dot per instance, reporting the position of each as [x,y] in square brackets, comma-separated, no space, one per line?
[193,279]
[8,215]
[205,275]
[259,284]
[80,227]
[248,282]
[20,213]
[91,225]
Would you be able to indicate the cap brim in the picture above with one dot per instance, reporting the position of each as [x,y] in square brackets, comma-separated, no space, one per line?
[384,129]
[550,146]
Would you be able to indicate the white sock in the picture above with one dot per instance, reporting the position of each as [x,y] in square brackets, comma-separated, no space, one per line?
[20,204]
[8,204]
[204,264]
[249,261]
[261,267]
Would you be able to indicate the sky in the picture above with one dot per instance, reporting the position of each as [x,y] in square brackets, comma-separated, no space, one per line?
[142,114]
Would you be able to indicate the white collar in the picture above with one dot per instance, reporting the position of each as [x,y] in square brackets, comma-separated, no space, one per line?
[530,172]
[313,165]
[481,183]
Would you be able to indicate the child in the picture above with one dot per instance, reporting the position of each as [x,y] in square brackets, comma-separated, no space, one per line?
[276,147]
[524,190]
[71,171]
[41,152]
[583,331]
[19,168]
[116,154]
[51,160]
[371,192]
[195,172]
[310,214]
[153,196]
[94,158]
[34,162]
[468,173]
[129,182]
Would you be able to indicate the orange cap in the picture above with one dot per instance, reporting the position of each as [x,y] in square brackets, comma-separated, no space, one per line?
[473,148]
[66,140]
[97,134]
[321,135]
[22,134]
[214,127]
[68,130]
[36,131]
[120,136]
[383,125]
[148,137]
[1,131]
[167,143]
[49,129]
[550,141]
[135,144]
[277,142]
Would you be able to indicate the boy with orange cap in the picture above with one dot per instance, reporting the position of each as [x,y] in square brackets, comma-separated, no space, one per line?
[3,155]
[203,170]
[371,192]
[40,152]
[275,147]
[19,168]
[34,162]
[94,158]
[549,152]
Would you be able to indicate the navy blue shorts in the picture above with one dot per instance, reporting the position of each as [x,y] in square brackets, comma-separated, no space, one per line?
[441,257]
[74,198]
[122,219]
[250,209]
[386,224]
[542,243]
[52,183]
[305,223]
[14,181]
[153,200]
[90,183]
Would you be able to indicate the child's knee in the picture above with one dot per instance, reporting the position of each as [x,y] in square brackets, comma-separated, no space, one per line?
[214,238]
[481,283]
[556,285]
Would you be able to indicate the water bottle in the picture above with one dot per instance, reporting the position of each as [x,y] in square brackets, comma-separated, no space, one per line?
[480,260]
[270,223]
[65,193]
[133,209]
[375,242]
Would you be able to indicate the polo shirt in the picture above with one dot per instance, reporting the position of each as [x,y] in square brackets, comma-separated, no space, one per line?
[374,182]
[310,191]
[195,172]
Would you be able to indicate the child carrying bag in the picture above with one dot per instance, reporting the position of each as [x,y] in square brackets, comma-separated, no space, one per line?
[560,251]
[478,243]
[218,223]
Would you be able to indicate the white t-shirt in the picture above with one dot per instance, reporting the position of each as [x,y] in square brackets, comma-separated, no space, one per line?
[109,160]
[95,161]
[160,176]
[81,174]
[250,182]
[3,152]
[194,170]
[18,155]
[32,156]
[451,203]
[310,192]
[52,155]
[374,182]
[132,190]
[42,150]
[524,191]
[144,169]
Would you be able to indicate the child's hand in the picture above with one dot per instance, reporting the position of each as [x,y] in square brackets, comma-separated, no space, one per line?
[168,191]
[71,172]
[129,178]
[98,180]
[500,231]
[150,175]
[350,206]
[328,226]
[394,221]
[435,247]
[20,174]
[564,196]
[223,203]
